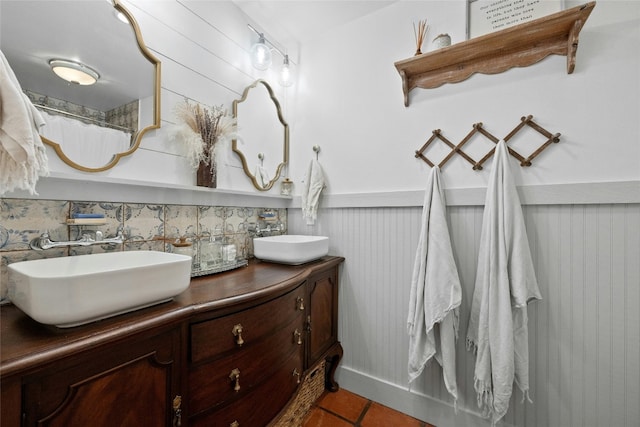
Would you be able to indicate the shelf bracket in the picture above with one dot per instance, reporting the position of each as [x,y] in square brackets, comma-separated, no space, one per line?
[572,46]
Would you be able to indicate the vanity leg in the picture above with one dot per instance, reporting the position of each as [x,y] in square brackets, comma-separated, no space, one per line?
[334,355]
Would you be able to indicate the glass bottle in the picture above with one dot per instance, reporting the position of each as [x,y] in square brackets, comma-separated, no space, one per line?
[286,187]
[229,251]
[210,252]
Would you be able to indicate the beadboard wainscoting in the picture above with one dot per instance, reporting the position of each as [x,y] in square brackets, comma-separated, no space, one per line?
[584,338]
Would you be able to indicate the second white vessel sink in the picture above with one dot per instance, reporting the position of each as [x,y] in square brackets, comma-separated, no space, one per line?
[290,248]
[74,290]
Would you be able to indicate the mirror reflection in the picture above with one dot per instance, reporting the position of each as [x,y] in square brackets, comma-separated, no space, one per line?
[89,126]
[263,135]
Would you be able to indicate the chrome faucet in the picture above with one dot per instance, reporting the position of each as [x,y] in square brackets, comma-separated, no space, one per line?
[262,228]
[45,242]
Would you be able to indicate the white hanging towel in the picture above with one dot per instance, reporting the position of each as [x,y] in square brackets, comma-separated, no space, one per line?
[314,183]
[436,293]
[505,284]
[22,155]
[262,176]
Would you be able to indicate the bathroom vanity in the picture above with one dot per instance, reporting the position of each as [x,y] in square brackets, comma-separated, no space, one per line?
[232,350]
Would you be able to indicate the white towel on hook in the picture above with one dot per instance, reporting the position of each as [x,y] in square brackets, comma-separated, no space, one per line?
[22,155]
[436,293]
[505,284]
[262,176]
[314,183]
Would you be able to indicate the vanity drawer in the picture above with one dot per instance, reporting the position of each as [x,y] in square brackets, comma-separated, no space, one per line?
[261,404]
[213,338]
[213,383]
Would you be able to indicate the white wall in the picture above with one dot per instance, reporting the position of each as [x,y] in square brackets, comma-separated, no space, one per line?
[348,98]
[584,335]
[351,103]
[203,50]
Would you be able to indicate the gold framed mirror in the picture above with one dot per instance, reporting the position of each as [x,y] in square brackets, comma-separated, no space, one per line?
[90,127]
[263,134]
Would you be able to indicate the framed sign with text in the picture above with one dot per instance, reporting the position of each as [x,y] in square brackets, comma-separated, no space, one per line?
[487,16]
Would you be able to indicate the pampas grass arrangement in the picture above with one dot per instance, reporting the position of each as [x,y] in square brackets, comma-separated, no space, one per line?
[419,34]
[199,131]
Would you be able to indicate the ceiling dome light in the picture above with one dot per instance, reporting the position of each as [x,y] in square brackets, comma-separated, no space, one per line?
[261,54]
[74,72]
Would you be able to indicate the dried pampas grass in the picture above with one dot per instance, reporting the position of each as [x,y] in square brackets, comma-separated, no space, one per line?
[200,129]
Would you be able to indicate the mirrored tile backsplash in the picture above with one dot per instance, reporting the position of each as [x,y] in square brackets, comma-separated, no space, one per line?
[145,226]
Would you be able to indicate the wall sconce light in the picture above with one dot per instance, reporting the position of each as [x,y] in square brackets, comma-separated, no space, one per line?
[261,54]
[286,73]
[261,58]
[74,72]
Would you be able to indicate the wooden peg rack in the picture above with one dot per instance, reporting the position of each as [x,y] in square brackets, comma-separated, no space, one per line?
[478,128]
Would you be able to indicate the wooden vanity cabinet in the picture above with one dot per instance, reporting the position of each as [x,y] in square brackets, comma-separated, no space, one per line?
[258,405]
[132,383]
[322,323]
[232,350]
[248,356]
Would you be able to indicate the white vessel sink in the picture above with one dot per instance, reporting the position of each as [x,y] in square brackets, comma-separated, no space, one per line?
[74,290]
[290,248]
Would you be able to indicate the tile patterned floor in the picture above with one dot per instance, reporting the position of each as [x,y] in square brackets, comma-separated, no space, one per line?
[346,409]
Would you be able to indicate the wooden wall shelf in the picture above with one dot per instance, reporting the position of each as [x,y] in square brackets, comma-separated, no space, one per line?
[493,53]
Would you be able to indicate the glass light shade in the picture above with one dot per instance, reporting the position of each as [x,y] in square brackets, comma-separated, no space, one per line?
[74,72]
[286,73]
[261,55]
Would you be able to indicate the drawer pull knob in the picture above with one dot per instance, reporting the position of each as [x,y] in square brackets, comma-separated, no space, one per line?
[300,303]
[235,377]
[237,332]
[234,424]
[297,337]
[297,375]
[177,411]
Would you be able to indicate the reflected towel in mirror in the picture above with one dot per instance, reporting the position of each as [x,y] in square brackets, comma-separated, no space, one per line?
[262,176]
[22,154]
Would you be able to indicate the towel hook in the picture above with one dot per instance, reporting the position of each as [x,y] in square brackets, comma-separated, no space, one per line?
[261,157]
[316,149]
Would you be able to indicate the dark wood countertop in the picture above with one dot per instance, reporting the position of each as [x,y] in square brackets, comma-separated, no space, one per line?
[26,344]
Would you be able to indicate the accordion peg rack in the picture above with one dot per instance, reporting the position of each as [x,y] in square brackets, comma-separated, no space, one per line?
[478,128]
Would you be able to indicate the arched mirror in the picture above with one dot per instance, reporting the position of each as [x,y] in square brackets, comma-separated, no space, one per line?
[262,141]
[90,127]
